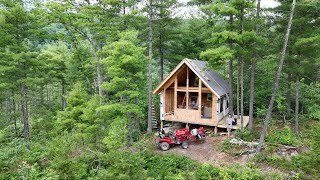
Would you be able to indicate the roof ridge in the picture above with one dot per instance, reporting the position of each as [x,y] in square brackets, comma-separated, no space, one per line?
[213,77]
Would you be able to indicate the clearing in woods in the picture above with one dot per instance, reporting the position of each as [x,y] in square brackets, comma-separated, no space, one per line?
[208,150]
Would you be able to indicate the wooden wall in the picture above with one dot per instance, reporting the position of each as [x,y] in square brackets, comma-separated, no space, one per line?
[173,99]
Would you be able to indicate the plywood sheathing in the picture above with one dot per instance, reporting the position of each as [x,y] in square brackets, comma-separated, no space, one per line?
[187,93]
[199,98]
[175,92]
[214,108]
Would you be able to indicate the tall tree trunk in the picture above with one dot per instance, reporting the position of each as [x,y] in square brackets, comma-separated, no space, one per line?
[253,65]
[42,95]
[241,92]
[124,13]
[161,57]
[296,109]
[230,87]
[24,110]
[289,92]
[230,74]
[14,116]
[130,124]
[241,73]
[276,83]
[149,130]
[238,87]
[99,77]
[6,107]
[131,132]
[63,94]
[161,43]
[48,96]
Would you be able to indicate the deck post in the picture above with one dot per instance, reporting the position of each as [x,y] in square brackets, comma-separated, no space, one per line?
[200,97]
[187,90]
[214,113]
[164,102]
[175,93]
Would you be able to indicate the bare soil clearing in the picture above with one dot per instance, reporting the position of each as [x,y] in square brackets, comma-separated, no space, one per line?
[207,151]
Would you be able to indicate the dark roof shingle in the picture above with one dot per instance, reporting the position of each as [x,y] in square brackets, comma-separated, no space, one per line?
[211,77]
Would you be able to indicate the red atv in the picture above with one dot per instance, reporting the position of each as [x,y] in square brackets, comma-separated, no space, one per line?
[180,136]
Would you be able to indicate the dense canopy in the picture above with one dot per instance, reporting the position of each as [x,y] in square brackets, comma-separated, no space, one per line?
[76,79]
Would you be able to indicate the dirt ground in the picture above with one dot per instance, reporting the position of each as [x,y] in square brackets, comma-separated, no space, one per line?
[207,151]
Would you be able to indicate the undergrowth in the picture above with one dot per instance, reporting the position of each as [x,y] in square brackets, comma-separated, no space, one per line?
[306,164]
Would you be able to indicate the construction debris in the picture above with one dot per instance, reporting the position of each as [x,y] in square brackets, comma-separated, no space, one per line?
[241,142]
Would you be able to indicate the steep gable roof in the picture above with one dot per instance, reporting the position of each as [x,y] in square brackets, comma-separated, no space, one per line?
[209,77]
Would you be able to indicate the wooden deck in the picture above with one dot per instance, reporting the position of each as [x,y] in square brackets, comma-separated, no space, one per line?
[223,123]
[207,122]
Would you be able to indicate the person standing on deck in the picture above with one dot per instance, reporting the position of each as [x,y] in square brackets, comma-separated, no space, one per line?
[229,121]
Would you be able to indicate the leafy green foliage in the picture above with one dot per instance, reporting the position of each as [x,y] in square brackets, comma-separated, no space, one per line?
[70,119]
[207,171]
[246,135]
[306,163]
[217,56]
[311,99]
[285,136]
[55,49]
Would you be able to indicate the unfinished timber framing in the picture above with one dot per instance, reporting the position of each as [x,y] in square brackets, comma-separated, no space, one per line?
[180,110]
[193,95]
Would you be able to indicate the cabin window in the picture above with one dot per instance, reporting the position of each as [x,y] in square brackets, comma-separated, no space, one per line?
[193,79]
[227,104]
[221,105]
[182,77]
[209,97]
[193,101]
[181,100]
[206,105]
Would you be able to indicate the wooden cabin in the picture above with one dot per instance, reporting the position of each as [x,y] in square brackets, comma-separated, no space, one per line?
[193,93]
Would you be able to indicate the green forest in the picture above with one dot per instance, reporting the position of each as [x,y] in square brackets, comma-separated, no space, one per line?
[77,80]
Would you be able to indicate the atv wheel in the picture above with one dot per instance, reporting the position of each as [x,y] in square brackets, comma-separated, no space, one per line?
[164,146]
[184,145]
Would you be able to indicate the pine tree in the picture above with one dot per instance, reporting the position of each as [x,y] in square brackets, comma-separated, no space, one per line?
[253,65]
[165,31]
[56,57]
[150,42]
[21,31]
[126,69]
[234,11]
[276,83]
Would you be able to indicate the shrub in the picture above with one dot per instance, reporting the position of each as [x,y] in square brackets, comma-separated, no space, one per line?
[160,166]
[207,171]
[246,134]
[284,136]
[225,146]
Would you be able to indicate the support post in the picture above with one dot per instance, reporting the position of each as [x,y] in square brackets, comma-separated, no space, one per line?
[175,93]
[187,90]
[214,113]
[200,97]
[164,102]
